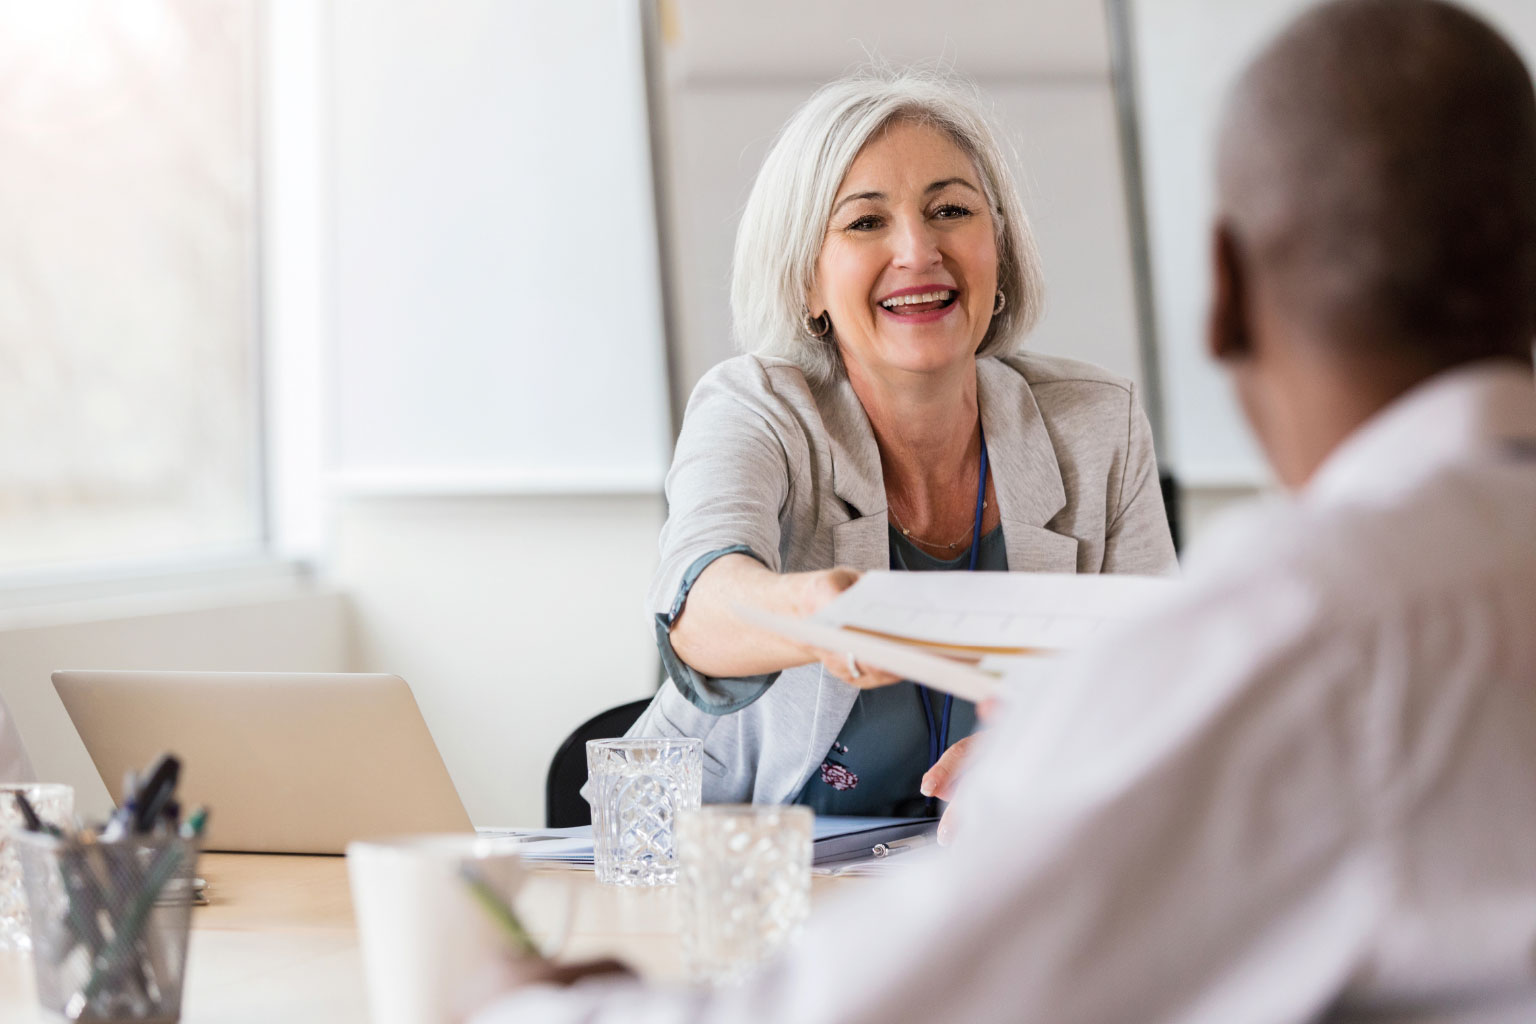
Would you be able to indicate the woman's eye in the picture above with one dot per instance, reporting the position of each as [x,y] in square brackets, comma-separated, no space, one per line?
[868,222]
[951,211]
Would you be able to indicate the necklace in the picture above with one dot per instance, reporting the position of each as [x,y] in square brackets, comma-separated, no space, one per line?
[930,543]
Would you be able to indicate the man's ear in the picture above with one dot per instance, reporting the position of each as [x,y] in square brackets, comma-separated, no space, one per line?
[1228,337]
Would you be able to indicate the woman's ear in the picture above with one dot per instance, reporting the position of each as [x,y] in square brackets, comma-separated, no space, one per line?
[1228,334]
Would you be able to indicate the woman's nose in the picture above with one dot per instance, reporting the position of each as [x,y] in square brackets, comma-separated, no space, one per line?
[916,244]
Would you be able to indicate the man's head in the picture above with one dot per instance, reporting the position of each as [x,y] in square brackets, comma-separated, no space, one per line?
[1376,184]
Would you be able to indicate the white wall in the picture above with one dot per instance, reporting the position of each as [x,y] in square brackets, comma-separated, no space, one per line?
[513,618]
[284,626]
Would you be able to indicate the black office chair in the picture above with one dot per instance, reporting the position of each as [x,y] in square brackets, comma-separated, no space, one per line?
[563,805]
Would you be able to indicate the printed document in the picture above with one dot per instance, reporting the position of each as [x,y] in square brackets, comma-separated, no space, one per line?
[961,632]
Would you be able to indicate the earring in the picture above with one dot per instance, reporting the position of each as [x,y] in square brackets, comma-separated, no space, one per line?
[1002,300]
[816,326]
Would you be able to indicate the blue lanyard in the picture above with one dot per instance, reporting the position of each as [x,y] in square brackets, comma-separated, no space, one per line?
[938,736]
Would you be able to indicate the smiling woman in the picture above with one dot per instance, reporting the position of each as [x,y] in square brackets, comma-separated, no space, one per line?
[884,280]
[908,270]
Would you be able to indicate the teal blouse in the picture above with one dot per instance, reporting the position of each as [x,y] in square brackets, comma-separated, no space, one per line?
[881,754]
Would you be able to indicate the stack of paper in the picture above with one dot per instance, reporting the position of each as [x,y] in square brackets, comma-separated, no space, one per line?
[552,847]
[838,840]
[959,631]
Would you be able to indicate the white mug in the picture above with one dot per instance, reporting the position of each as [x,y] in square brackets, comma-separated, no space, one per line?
[430,947]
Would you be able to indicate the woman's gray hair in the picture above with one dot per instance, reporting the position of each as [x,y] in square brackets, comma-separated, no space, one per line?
[785,219]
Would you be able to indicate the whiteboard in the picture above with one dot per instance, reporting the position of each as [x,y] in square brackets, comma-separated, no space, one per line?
[497,316]
[1188,53]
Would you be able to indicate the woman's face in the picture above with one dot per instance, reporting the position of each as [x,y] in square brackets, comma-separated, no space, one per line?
[908,270]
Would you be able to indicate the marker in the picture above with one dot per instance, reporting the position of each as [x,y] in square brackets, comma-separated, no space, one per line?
[28,815]
[156,792]
[193,827]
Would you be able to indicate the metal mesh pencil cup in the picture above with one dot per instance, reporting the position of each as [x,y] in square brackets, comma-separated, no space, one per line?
[109,924]
[638,786]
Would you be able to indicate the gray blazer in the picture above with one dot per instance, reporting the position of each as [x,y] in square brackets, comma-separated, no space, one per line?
[792,473]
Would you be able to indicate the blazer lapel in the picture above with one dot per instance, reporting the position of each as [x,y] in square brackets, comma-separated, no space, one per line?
[860,542]
[1025,473]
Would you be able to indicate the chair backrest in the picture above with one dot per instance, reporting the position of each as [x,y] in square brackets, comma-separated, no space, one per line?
[563,803]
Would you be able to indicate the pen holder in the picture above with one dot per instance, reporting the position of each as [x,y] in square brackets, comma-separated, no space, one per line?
[109,924]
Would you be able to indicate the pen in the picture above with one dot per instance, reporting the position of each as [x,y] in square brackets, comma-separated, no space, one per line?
[29,815]
[193,827]
[492,903]
[156,792]
[121,822]
[898,845]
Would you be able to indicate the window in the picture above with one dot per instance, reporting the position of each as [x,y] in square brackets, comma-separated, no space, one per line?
[129,384]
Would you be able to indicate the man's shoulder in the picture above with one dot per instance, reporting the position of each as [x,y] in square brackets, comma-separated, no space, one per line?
[1456,533]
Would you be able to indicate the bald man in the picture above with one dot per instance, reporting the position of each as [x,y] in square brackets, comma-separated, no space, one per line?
[1308,791]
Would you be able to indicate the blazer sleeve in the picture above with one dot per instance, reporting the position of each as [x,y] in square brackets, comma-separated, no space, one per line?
[1136,539]
[729,481]
[728,485]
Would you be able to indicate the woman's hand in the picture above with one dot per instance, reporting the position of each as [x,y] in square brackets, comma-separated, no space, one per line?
[819,590]
[941,781]
[710,636]
[847,668]
[944,777]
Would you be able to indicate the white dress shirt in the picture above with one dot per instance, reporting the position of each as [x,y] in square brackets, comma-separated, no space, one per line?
[1305,791]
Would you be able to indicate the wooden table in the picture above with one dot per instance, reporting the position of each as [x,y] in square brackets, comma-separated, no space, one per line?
[277,942]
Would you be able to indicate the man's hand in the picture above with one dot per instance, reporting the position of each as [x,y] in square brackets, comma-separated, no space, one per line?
[515,972]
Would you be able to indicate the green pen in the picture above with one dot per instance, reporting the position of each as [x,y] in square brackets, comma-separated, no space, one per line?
[498,910]
[193,827]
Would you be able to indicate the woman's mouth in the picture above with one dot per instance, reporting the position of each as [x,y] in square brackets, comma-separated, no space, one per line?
[919,302]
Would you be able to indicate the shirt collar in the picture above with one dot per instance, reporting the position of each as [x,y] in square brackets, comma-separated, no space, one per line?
[1448,418]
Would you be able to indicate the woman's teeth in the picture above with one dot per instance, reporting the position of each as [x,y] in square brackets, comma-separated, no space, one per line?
[917,299]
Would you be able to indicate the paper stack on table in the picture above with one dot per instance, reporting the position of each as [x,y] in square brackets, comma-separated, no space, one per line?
[960,632]
[838,840]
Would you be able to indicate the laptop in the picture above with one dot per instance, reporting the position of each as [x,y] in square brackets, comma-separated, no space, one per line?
[285,762]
